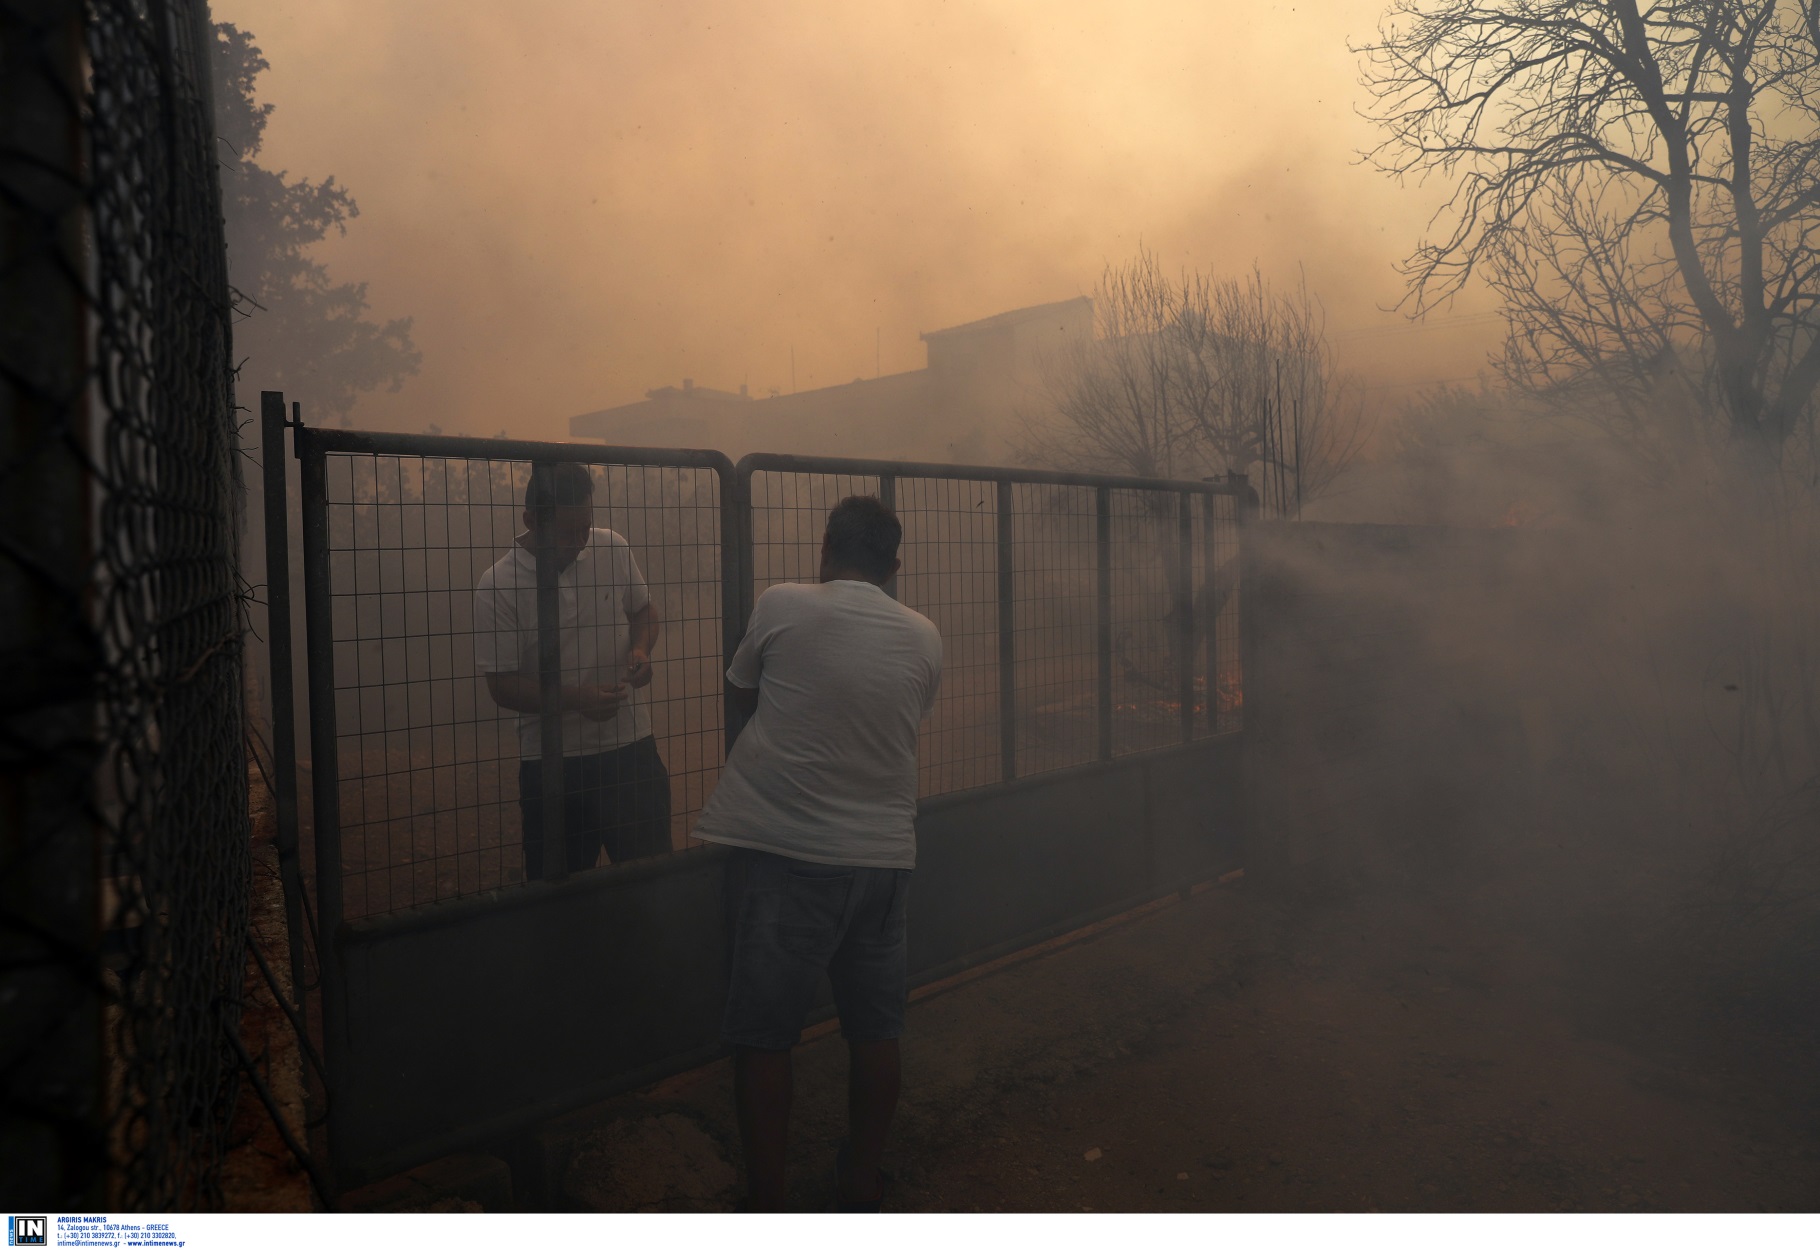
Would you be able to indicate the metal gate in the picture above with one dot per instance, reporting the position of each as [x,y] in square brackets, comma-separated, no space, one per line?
[1082,756]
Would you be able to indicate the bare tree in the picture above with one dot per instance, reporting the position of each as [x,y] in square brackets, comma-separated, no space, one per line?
[1190,377]
[1638,184]
[1114,395]
[1197,375]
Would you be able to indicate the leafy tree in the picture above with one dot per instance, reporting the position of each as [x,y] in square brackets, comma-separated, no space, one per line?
[300,331]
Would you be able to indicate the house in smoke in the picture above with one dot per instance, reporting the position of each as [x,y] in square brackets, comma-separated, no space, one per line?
[962,407]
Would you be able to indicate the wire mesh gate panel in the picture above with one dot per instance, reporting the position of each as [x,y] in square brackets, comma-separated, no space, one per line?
[1080,620]
[425,765]
[123,788]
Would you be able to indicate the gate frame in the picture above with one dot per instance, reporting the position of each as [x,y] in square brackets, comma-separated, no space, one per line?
[313,445]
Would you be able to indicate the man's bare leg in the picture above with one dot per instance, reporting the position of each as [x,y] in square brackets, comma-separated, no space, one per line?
[873,1076]
[763,1083]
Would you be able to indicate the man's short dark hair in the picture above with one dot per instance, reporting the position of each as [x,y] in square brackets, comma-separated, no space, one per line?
[561,485]
[863,535]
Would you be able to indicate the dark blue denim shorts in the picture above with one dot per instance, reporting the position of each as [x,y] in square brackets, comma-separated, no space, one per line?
[791,922]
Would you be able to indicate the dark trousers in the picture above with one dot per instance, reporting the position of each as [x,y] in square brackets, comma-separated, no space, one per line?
[618,799]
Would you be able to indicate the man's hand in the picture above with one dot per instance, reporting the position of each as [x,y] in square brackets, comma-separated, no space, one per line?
[520,692]
[638,667]
[600,702]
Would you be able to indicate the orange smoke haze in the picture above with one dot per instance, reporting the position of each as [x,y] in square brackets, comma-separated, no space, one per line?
[580,201]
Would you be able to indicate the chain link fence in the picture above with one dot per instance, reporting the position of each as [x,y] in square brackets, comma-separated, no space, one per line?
[123,784]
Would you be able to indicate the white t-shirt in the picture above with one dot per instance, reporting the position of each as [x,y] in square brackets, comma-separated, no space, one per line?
[599,591]
[826,770]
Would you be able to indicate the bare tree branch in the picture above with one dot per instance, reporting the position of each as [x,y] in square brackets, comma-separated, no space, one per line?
[1640,185]
[1197,375]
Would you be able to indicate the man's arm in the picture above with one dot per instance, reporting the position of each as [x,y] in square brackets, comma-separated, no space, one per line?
[522,692]
[748,664]
[647,628]
[743,699]
[497,655]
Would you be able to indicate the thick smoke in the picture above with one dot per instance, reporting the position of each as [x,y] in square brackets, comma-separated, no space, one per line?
[1571,693]
[577,203]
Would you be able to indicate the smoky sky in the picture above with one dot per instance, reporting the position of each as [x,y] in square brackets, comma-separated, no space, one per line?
[579,201]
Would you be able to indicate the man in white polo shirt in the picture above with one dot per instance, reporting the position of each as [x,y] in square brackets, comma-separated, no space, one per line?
[819,800]
[616,792]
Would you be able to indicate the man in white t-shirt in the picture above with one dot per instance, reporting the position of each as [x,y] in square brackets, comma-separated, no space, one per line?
[616,792]
[819,801]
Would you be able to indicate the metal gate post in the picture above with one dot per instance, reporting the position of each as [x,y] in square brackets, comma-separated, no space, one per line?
[283,695]
[1007,638]
[324,774]
[1102,514]
[549,683]
[1244,512]
[887,495]
[1211,602]
[735,584]
[1185,611]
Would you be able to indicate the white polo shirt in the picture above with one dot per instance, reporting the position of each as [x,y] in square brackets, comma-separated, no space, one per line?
[598,592]
[826,770]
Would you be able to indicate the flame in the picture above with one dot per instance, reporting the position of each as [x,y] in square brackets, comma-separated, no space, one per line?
[1229,695]
[1519,513]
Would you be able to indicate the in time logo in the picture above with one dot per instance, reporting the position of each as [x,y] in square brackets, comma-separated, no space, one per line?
[26,1230]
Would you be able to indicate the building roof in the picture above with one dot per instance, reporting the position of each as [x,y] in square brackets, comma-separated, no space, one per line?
[691,391]
[1017,316]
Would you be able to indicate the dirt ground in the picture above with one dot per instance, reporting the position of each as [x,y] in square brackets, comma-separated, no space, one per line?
[259,1173]
[1240,1052]
[1504,1033]
[1371,1062]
